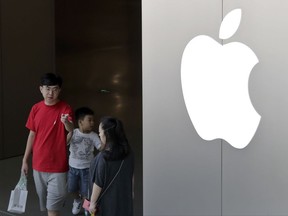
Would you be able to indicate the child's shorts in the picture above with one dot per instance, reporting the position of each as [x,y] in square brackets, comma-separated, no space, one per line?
[78,181]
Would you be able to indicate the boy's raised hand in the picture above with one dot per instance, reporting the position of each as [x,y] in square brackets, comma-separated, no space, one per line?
[64,118]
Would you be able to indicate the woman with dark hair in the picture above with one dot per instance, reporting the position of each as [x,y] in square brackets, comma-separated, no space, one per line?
[112,172]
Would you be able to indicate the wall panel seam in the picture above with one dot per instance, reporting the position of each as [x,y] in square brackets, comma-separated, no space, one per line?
[221,209]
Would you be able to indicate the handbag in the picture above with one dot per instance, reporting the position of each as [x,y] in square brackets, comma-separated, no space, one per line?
[86,202]
[18,196]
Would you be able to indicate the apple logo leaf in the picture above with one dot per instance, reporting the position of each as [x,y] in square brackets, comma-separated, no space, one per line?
[230,24]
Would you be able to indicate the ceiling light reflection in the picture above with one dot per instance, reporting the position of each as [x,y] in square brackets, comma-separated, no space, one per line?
[119,102]
[116,78]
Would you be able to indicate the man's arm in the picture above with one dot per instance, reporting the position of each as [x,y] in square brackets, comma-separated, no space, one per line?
[28,151]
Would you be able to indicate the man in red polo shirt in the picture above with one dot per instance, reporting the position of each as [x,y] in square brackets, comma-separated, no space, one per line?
[49,122]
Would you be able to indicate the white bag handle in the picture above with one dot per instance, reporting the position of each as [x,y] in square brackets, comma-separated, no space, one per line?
[22,183]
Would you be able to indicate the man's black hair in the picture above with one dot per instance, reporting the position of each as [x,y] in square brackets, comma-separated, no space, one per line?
[51,79]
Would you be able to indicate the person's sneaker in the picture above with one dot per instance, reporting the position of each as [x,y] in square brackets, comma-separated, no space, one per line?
[76,206]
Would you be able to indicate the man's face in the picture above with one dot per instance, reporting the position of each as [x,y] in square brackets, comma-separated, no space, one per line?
[50,94]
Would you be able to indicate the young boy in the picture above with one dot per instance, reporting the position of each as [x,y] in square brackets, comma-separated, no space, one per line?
[82,145]
[49,122]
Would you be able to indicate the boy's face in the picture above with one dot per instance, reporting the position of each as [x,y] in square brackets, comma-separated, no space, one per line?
[50,94]
[86,124]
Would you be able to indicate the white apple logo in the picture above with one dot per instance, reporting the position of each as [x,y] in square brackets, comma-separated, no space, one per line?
[215,86]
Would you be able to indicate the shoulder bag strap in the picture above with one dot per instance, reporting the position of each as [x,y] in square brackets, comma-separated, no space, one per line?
[111,181]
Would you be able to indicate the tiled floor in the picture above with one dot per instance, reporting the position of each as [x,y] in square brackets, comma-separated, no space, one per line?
[10,173]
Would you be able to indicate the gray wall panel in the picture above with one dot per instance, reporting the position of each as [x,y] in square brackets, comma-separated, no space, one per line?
[255,179]
[181,171]
[183,174]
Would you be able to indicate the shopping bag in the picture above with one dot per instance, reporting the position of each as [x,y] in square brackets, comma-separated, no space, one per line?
[18,196]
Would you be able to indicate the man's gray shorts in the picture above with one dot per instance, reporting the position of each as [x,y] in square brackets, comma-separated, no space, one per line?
[51,189]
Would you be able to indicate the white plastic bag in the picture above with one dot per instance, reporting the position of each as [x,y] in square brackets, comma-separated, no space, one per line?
[18,197]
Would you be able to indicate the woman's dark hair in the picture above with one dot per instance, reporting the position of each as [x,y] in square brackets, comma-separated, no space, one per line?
[117,146]
[51,79]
